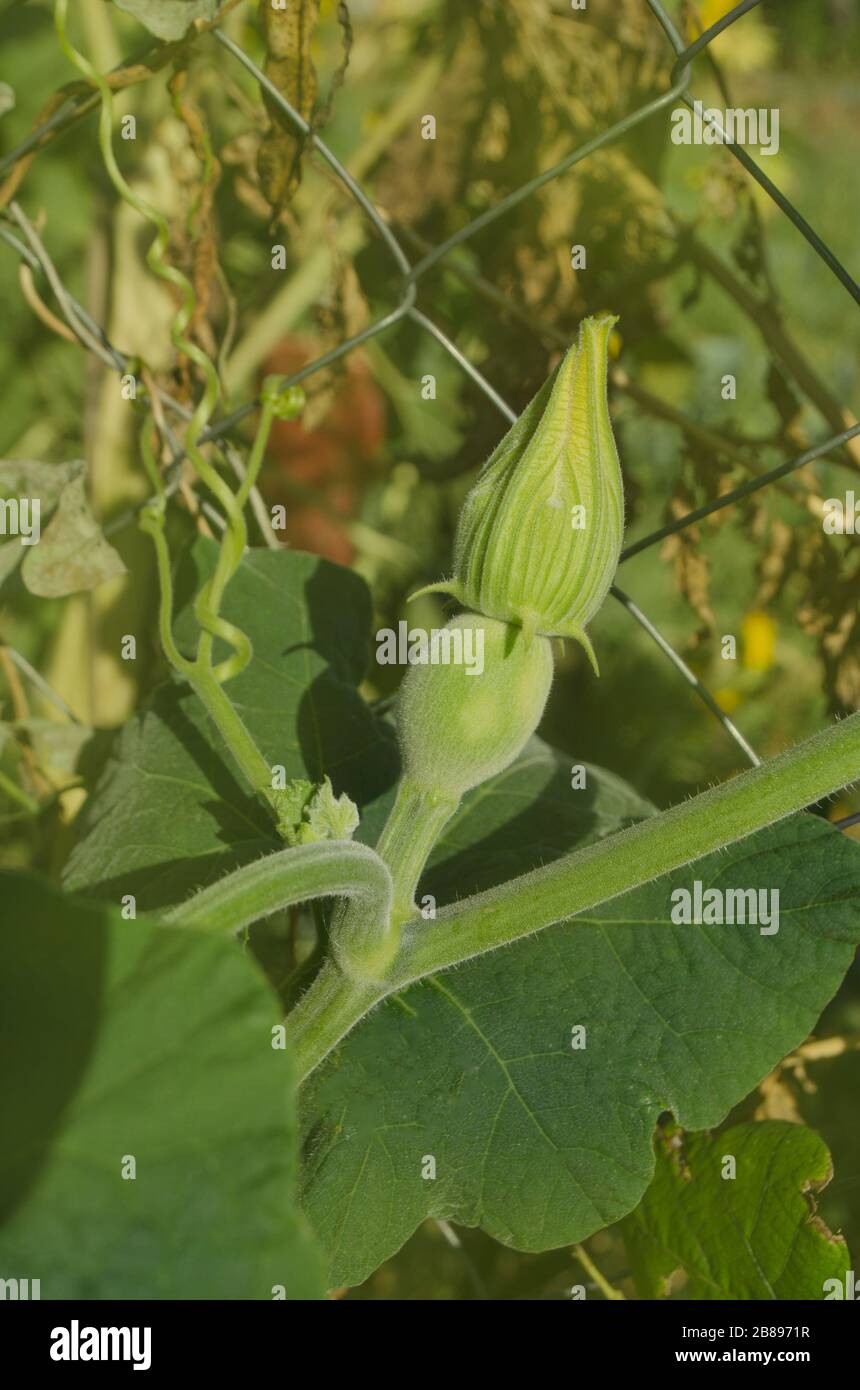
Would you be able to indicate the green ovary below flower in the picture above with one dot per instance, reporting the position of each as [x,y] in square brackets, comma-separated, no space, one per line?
[458,727]
[539,535]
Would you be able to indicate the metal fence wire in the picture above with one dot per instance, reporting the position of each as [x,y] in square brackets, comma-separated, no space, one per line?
[93,337]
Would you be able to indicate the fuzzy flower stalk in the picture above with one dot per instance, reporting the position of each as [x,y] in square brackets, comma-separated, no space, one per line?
[539,535]
[537,546]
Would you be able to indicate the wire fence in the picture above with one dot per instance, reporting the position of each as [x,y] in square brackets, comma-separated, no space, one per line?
[410,274]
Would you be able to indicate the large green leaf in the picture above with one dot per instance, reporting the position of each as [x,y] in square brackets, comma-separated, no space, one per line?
[540,1143]
[751,1235]
[171,812]
[122,1041]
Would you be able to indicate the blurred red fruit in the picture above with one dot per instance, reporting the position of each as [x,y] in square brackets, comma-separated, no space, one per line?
[335,458]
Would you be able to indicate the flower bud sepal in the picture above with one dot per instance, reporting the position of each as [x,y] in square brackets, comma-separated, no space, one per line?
[527,619]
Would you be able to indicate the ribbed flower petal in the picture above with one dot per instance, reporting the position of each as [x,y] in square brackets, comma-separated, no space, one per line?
[539,535]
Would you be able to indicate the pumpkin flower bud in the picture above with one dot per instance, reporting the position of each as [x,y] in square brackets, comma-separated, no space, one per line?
[539,535]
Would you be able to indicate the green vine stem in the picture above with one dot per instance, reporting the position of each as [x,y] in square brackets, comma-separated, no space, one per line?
[326,1012]
[363,945]
[715,818]
[718,817]
[414,825]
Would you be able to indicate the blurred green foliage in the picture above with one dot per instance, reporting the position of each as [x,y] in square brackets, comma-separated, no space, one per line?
[513,89]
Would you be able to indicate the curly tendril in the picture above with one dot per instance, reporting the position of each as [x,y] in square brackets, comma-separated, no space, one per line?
[206,607]
[277,402]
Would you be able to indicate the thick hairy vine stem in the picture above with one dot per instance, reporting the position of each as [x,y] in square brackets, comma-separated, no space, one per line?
[416,821]
[331,868]
[710,821]
[326,1013]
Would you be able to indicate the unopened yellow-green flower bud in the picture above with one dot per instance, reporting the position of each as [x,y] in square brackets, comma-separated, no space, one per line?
[540,533]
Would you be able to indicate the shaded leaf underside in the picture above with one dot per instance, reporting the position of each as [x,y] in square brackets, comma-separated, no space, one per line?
[149,1046]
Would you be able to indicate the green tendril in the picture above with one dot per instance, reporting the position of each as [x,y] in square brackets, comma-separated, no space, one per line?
[161,267]
[205,677]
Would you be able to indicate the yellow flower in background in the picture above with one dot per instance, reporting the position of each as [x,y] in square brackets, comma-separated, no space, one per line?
[727,699]
[758,636]
[745,46]
[712,10]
